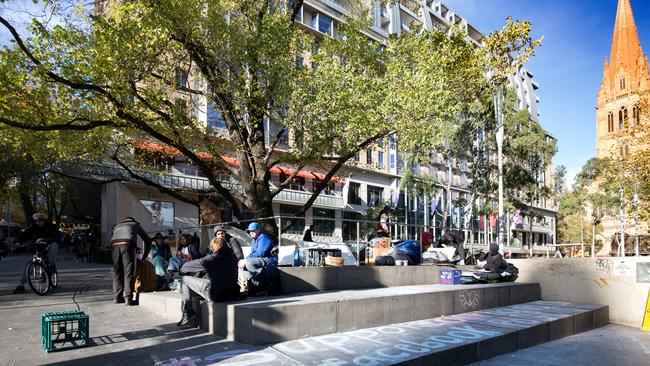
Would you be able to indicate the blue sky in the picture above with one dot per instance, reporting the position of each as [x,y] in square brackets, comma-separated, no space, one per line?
[569,65]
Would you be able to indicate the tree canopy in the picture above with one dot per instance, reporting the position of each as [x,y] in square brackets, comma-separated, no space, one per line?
[99,80]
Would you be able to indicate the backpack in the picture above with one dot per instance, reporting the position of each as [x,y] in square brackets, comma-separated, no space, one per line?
[145,278]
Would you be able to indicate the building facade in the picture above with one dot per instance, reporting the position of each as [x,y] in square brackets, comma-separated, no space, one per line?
[373,178]
[626,77]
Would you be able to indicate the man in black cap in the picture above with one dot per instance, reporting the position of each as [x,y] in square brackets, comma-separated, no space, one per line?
[123,244]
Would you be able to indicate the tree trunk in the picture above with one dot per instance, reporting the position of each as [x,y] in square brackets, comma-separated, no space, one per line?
[24,191]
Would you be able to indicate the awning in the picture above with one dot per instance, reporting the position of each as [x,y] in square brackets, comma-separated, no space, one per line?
[166,149]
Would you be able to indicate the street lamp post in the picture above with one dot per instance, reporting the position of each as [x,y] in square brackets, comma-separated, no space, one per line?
[498,110]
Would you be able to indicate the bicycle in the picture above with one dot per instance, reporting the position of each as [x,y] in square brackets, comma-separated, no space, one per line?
[39,276]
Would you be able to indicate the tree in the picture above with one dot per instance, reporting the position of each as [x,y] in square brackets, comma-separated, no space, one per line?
[141,69]
[559,181]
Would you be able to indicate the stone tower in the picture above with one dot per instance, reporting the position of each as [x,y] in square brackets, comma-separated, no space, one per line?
[625,77]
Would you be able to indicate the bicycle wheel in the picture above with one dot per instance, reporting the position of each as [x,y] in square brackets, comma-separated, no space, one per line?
[54,279]
[38,278]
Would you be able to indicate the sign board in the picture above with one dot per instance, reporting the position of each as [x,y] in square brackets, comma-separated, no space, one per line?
[622,268]
[643,272]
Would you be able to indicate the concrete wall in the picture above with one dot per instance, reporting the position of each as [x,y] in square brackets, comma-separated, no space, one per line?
[606,281]
[120,200]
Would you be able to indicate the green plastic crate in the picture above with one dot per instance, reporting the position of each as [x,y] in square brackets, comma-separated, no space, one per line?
[64,330]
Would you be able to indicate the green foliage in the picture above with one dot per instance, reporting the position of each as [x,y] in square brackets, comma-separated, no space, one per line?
[104,80]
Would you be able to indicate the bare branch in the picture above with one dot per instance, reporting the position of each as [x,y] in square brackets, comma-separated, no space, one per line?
[328,177]
[67,126]
[149,182]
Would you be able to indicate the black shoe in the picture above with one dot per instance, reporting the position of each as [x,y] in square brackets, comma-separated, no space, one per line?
[20,289]
[190,321]
[129,302]
[119,300]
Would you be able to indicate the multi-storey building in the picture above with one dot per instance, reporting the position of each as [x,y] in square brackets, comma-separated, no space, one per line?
[373,178]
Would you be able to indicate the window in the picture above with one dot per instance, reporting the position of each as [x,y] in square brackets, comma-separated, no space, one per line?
[287,212]
[392,161]
[297,184]
[357,156]
[181,106]
[324,222]
[463,180]
[349,225]
[375,195]
[622,118]
[610,122]
[329,188]
[182,82]
[215,119]
[353,194]
[321,23]
[380,159]
[369,157]
[636,115]
[622,82]
[290,6]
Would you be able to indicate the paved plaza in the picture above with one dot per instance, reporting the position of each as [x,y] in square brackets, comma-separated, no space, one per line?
[132,336]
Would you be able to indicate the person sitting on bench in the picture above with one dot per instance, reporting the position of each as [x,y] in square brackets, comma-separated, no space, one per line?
[221,285]
[263,252]
[495,262]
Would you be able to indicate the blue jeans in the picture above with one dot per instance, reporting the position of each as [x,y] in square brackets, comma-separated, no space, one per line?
[254,265]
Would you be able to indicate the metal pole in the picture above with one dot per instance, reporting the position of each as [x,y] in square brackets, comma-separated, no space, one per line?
[498,105]
[582,249]
[621,246]
[358,245]
[593,240]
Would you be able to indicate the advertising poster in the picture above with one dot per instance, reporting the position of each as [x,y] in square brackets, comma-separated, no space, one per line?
[162,213]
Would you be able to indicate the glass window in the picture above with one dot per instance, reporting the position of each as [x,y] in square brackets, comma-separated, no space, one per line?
[357,156]
[298,183]
[182,80]
[610,122]
[324,222]
[353,194]
[329,189]
[368,157]
[392,161]
[321,23]
[380,159]
[375,195]
[287,212]
[349,225]
[215,119]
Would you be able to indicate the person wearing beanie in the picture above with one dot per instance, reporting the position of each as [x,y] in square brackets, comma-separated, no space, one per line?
[220,232]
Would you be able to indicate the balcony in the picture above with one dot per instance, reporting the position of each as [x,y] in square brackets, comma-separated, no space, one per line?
[335,5]
[301,197]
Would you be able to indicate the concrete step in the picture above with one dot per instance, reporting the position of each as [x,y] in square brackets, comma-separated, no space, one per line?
[451,340]
[275,319]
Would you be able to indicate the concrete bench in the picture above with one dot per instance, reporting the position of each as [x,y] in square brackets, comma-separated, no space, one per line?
[451,340]
[311,279]
[274,319]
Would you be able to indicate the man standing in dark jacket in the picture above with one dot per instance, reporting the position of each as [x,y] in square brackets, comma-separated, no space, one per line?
[123,245]
[221,267]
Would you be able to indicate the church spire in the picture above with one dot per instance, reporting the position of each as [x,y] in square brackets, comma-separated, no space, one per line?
[626,47]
